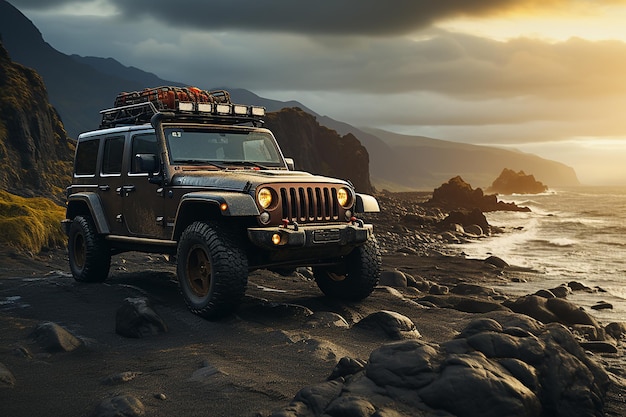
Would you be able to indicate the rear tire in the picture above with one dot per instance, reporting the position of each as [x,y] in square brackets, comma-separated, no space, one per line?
[212,270]
[89,253]
[356,278]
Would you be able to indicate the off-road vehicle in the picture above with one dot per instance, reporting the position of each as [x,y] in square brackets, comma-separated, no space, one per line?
[186,172]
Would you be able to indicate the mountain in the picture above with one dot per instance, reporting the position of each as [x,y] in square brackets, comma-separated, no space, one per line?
[418,162]
[319,149]
[35,151]
[79,87]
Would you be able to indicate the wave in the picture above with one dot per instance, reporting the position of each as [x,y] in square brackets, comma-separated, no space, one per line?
[563,242]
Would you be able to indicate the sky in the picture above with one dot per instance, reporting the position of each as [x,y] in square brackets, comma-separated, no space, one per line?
[541,76]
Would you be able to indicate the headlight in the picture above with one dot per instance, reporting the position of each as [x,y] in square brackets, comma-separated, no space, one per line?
[264,197]
[344,197]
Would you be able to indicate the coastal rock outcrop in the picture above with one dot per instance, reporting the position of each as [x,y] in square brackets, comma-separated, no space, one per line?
[511,182]
[456,194]
[522,367]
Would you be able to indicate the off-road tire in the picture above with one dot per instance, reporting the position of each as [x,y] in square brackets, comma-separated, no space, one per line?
[212,270]
[89,254]
[356,278]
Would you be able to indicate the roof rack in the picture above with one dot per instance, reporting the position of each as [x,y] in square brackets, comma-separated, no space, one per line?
[188,103]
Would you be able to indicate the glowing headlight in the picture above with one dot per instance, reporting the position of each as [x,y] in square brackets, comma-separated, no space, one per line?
[264,197]
[343,197]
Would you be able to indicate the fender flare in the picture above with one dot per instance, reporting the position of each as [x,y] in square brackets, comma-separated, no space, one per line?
[93,203]
[231,204]
[366,203]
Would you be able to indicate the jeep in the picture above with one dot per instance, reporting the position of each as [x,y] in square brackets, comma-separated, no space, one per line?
[187,173]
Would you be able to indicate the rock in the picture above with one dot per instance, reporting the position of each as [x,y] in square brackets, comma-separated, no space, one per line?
[120,378]
[120,406]
[392,324]
[551,310]
[393,278]
[7,380]
[503,365]
[136,318]
[479,326]
[54,338]
[562,291]
[473,289]
[326,319]
[577,286]
[437,289]
[545,294]
[602,305]
[457,220]
[456,194]
[474,230]
[616,330]
[497,262]
[347,366]
[511,182]
[599,346]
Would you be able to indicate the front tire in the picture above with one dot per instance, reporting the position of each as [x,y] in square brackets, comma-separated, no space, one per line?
[212,270]
[357,278]
[89,254]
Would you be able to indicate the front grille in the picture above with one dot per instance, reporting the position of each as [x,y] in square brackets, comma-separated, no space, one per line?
[309,204]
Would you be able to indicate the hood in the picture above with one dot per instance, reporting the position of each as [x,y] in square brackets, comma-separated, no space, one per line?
[246,179]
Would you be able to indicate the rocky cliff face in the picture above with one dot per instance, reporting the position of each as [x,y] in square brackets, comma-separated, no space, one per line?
[318,149]
[35,151]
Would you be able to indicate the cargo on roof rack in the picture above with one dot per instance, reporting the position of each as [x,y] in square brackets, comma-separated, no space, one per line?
[189,103]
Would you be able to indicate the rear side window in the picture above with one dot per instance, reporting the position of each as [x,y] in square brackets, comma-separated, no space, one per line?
[86,157]
[113,153]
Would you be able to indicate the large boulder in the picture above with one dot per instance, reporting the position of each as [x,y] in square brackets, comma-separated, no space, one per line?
[506,365]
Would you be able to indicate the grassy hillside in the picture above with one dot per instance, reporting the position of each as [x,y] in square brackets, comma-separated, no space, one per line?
[30,224]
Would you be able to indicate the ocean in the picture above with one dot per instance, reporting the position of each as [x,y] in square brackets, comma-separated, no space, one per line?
[571,234]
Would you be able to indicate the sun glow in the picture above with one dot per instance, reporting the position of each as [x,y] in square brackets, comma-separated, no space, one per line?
[604,24]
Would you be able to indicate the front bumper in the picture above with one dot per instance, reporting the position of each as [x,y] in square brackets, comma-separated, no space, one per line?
[310,236]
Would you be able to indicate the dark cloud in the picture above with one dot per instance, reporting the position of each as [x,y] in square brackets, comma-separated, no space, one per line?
[330,17]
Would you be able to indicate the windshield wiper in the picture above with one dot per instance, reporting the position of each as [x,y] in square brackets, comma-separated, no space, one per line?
[199,162]
[246,163]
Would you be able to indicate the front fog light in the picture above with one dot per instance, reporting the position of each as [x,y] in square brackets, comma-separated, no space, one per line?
[264,218]
[276,239]
[348,215]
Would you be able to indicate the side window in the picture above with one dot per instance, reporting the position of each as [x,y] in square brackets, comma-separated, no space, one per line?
[86,157]
[143,143]
[113,153]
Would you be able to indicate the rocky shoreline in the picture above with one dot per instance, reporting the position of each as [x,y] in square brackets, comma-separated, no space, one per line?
[434,339]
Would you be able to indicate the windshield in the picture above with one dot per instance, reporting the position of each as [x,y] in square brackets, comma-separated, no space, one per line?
[198,145]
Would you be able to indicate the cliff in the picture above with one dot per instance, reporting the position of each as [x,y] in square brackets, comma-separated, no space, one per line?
[318,149]
[35,151]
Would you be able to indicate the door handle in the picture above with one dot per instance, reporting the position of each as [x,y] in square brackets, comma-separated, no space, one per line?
[104,187]
[124,190]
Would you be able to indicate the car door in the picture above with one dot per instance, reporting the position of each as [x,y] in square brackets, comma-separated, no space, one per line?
[143,200]
[110,180]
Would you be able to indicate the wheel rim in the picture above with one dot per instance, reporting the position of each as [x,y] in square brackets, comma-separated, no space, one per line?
[79,251]
[335,277]
[198,271]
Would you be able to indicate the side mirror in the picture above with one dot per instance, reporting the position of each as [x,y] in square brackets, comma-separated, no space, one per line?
[149,163]
[291,165]
[146,162]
